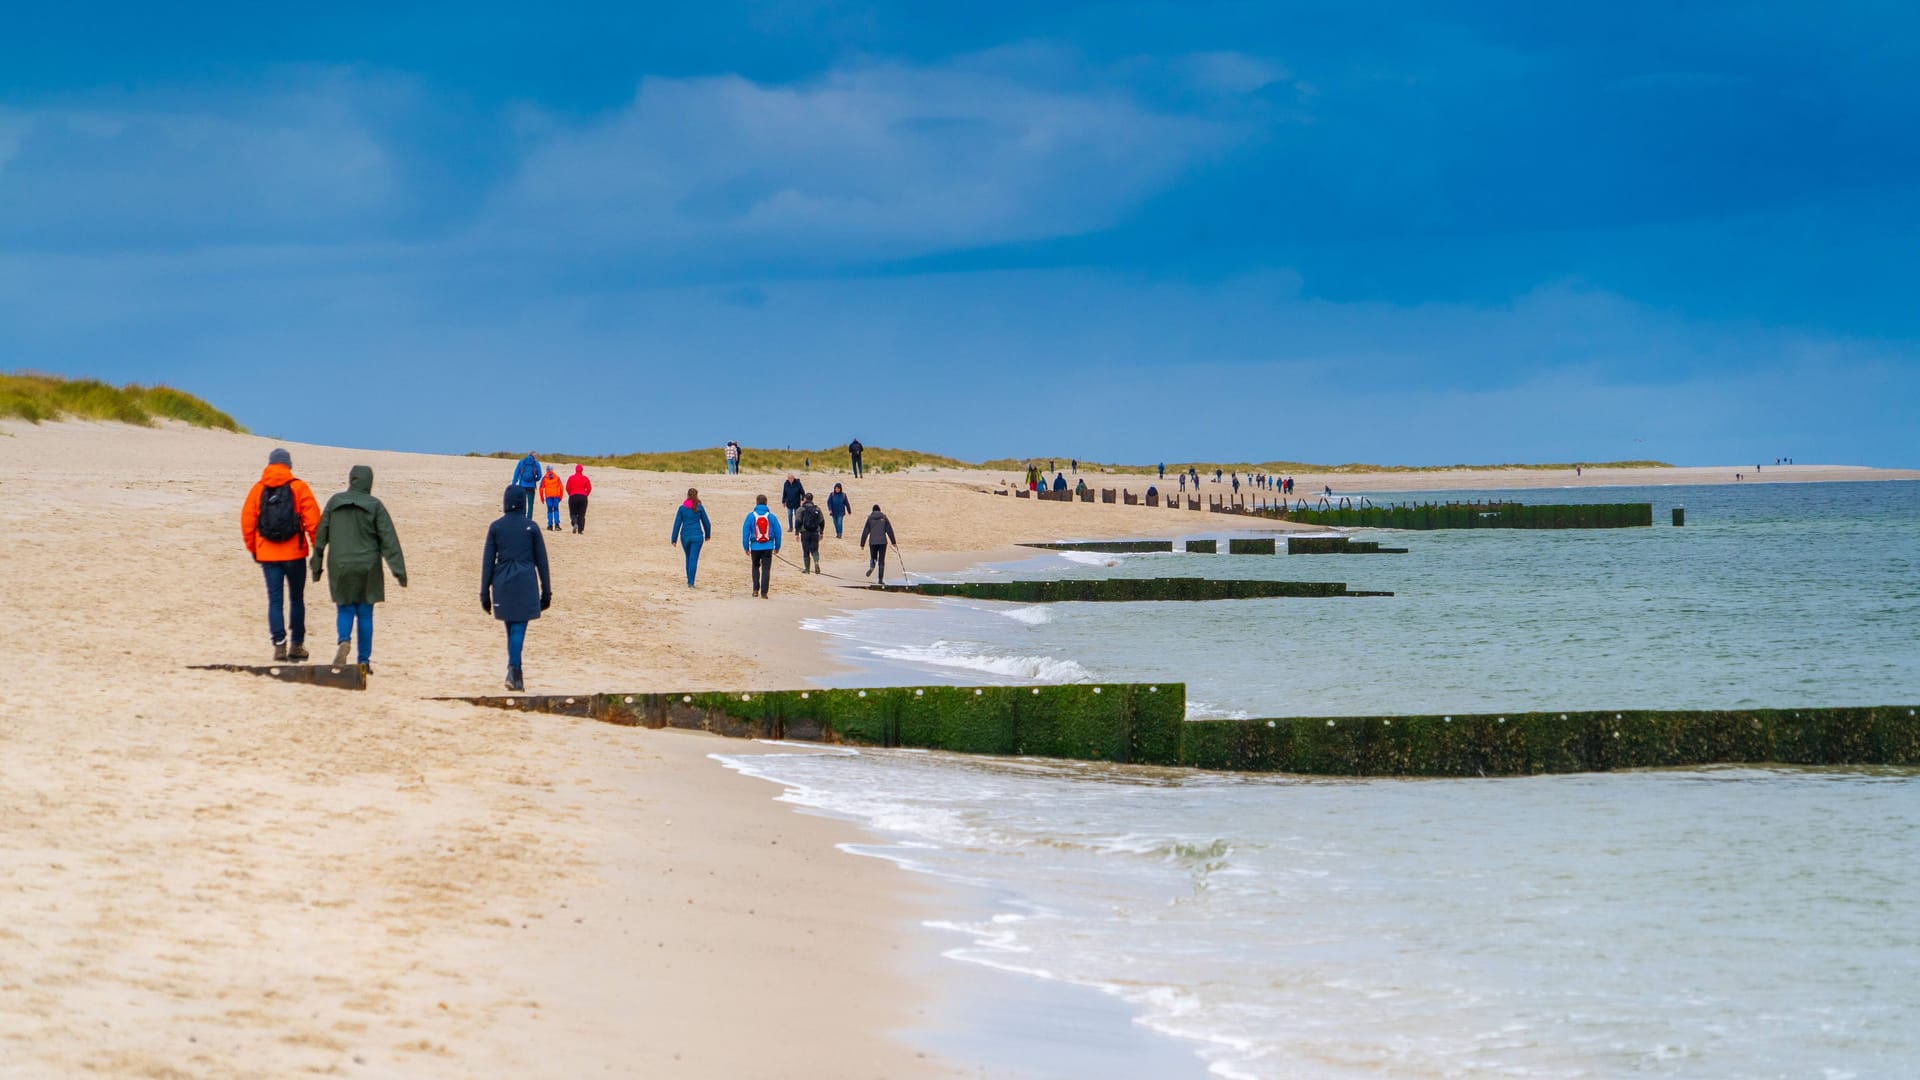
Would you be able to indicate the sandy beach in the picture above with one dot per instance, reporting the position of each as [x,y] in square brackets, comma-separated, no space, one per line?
[210,874]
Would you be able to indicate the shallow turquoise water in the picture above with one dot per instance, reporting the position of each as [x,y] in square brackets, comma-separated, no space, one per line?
[1719,923]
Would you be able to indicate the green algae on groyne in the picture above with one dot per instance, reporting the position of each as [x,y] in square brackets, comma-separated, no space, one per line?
[1145,724]
[1473,516]
[1123,590]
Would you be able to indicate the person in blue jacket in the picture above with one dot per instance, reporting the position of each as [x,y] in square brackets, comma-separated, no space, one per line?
[1059,482]
[515,585]
[790,494]
[691,528]
[760,538]
[526,476]
[837,508]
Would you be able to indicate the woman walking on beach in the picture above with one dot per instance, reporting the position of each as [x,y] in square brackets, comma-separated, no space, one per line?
[355,533]
[515,585]
[837,507]
[691,528]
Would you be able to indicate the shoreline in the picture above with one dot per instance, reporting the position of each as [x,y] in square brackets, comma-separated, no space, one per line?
[219,874]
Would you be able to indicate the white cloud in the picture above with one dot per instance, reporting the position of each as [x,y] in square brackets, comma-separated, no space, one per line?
[874,162]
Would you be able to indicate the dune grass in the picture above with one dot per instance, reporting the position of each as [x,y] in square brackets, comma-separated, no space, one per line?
[752,460]
[35,398]
[883,460]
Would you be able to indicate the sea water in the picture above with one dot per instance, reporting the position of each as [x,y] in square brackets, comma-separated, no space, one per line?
[1730,922]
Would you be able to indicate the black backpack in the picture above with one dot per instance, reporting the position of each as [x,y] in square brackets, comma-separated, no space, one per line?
[279,518]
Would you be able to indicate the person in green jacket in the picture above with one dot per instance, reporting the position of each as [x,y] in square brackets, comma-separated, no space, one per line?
[355,533]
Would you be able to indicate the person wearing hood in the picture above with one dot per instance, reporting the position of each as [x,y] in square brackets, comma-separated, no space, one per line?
[276,523]
[1059,482]
[526,476]
[790,493]
[355,533]
[811,524]
[837,507]
[550,491]
[515,585]
[691,528]
[877,534]
[760,538]
[855,451]
[578,488]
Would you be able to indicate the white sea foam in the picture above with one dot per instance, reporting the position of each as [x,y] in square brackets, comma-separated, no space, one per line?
[1035,615]
[1200,710]
[968,657]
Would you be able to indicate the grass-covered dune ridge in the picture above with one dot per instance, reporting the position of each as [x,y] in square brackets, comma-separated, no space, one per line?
[884,460]
[34,397]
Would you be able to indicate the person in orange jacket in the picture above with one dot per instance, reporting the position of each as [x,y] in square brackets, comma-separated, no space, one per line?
[277,523]
[578,488]
[550,491]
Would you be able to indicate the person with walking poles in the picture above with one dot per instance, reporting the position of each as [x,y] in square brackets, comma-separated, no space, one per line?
[550,491]
[578,488]
[691,528]
[811,524]
[790,493]
[876,536]
[837,507]
[277,523]
[515,584]
[854,450]
[355,534]
[760,538]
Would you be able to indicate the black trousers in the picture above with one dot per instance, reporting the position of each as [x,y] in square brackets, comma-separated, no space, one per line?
[858,469]
[809,549]
[762,571]
[877,559]
[577,512]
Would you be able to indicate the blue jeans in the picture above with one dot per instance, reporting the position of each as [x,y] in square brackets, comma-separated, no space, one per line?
[291,574]
[516,641]
[693,558]
[837,519]
[553,512]
[348,614]
[733,467]
[533,499]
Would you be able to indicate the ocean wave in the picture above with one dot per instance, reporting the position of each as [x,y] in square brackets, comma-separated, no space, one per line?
[1034,615]
[968,658]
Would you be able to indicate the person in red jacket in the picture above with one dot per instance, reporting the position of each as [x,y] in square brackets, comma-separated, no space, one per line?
[277,523]
[578,488]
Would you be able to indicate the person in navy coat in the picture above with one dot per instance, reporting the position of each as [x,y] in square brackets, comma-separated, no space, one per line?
[515,585]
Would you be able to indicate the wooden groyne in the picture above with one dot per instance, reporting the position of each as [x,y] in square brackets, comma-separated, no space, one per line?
[1473,516]
[343,677]
[1145,724]
[1346,513]
[1124,590]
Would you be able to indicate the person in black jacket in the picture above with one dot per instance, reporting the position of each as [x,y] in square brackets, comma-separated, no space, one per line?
[877,535]
[811,524]
[515,585]
[790,493]
[854,450]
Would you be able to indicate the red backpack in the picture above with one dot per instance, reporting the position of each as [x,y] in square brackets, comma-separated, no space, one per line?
[763,528]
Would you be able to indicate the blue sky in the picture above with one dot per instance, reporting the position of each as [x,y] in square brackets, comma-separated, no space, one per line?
[1390,232]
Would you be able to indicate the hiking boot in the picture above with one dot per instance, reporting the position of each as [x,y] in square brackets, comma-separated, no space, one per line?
[297,653]
[280,652]
[366,669]
[514,680]
[869,569]
[342,654]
